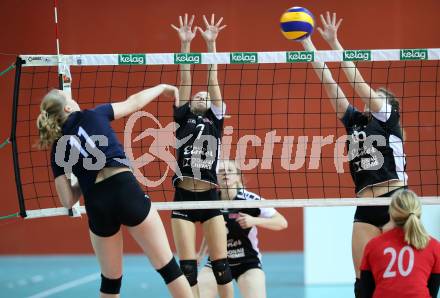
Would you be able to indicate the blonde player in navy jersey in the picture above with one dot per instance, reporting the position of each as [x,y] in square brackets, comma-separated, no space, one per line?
[200,120]
[243,254]
[84,143]
[375,143]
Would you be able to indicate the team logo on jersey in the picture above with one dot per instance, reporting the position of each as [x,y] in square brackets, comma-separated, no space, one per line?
[207,120]
[358,136]
[233,215]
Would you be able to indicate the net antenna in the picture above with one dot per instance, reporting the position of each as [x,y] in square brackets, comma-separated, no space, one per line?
[65,83]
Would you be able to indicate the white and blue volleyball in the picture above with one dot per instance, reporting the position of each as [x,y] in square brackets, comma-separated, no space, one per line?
[297,23]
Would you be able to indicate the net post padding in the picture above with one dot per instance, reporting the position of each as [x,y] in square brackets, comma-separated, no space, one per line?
[13,140]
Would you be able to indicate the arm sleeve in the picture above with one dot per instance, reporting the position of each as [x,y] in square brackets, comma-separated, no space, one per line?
[105,110]
[180,112]
[219,112]
[384,114]
[434,284]
[347,120]
[434,278]
[267,212]
[56,169]
[436,268]
[264,212]
[367,284]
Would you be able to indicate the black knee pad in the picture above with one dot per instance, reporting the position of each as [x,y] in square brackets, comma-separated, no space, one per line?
[170,271]
[189,268]
[110,286]
[221,271]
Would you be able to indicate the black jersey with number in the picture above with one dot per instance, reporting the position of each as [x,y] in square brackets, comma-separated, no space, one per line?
[88,135]
[198,143]
[242,243]
[375,146]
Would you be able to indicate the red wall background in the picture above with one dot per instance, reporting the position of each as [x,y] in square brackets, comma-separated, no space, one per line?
[112,26]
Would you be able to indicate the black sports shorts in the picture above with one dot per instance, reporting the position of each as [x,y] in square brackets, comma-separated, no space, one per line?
[201,215]
[375,215]
[114,201]
[238,269]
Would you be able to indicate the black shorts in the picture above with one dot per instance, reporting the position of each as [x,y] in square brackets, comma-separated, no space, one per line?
[114,201]
[239,268]
[201,215]
[375,215]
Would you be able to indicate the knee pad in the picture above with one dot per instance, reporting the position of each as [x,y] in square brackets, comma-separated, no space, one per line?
[170,271]
[189,268]
[221,271]
[110,286]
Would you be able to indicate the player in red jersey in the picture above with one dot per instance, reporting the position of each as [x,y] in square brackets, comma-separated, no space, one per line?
[404,261]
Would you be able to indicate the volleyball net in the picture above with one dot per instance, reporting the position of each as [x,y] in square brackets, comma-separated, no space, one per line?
[280,129]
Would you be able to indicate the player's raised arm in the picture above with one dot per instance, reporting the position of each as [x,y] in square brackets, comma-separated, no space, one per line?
[186,35]
[210,35]
[330,34]
[334,92]
[139,100]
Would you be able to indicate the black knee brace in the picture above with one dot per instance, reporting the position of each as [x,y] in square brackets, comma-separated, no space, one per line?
[189,268]
[170,271]
[221,271]
[110,286]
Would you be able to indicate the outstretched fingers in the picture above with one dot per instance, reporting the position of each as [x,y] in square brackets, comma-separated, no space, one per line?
[339,23]
[219,22]
[324,23]
[329,20]
[205,21]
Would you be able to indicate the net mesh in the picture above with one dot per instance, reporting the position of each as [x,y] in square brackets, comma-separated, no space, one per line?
[278,113]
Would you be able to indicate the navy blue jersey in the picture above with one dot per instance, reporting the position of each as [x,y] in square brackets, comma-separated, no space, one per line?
[367,168]
[200,134]
[89,140]
[242,243]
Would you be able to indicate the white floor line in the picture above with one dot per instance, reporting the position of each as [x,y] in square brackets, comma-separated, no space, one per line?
[67,285]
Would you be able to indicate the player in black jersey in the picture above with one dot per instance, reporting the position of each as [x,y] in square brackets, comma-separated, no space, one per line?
[375,142]
[200,120]
[243,254]
[83,143]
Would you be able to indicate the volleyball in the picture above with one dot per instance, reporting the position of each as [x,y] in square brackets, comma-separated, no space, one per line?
[297,23]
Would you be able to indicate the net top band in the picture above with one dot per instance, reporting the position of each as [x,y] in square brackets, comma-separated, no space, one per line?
[232,57]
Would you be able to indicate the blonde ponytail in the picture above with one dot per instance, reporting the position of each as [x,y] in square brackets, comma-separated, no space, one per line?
[405,210]
[51,118]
